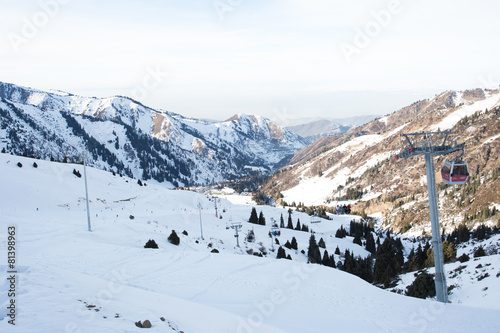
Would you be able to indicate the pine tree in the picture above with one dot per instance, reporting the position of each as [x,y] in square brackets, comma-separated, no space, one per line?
[332,261]
[173,238]
[282,222]
[385,266]
[290,223]
[357,237]
[298,227]
[420,257]
[281,253]
[370,243]
[288,245]
[294,243]
[326,259]
[313,253]
[337,251]
[151,244]
[262,220]
[321,243]
[253,216]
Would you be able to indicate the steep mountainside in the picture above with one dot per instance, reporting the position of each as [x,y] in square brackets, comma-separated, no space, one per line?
[121,134]
[360,163]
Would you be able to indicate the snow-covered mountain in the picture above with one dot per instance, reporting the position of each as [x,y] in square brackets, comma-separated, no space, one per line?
[314,129]
[68,279]
[121,134]
[361,164]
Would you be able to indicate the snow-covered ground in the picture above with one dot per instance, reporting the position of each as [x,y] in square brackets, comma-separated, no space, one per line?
[71,280]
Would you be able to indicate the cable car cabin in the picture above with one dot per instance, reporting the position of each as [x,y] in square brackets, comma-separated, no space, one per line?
[455,172]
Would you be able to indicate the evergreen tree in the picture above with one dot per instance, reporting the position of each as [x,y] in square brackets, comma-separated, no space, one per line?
[341,233]
[337,251]
[173,238]
[305,228]
[262,220]
[410,265]
[321,243]
[332,261]
[313,254]
[385,266]
[326,259]
[420,257]
[298,227]
[294,243]
[151,244]
[281,253]
[282,222]
[370,243]
[253,216]
[288,245]
[290,223]
[357,237]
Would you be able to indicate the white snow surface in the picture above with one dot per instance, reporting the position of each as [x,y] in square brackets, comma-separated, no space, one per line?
[63,269]
[467,110]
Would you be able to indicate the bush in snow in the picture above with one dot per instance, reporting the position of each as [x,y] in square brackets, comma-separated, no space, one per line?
[423,286]
[35,165]
[463,258]
[185,233]
[151,244]
[173,238]
[479,252]
[19,164]
[77,173]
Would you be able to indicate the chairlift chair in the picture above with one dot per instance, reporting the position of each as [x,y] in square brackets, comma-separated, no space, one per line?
[275,231]
[315,219]
[455,172]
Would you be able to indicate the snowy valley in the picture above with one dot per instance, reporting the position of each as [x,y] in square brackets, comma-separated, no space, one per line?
[71,280]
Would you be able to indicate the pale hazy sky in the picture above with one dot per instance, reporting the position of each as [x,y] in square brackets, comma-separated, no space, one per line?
[277,58]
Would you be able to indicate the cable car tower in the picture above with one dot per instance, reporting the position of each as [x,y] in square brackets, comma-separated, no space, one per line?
[236,226]
[431,145]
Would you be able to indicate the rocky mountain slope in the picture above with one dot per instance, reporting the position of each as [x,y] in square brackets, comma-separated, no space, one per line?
[361,165]
[122,135]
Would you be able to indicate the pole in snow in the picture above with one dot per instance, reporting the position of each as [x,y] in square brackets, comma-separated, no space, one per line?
[86,189]
[201,226]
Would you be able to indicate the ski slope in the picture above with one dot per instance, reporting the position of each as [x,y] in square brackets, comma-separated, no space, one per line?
[73,280]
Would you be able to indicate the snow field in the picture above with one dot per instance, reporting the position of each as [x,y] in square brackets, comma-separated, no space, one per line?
[64,270]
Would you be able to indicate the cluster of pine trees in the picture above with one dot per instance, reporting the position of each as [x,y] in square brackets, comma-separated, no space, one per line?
[261,220]
[298,226]
[314,254]
[462,234]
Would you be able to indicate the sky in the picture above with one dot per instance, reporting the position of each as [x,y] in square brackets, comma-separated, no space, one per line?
[283,59]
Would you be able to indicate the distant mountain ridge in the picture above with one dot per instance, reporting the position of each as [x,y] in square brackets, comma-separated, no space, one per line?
[315,129]
[123,135]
